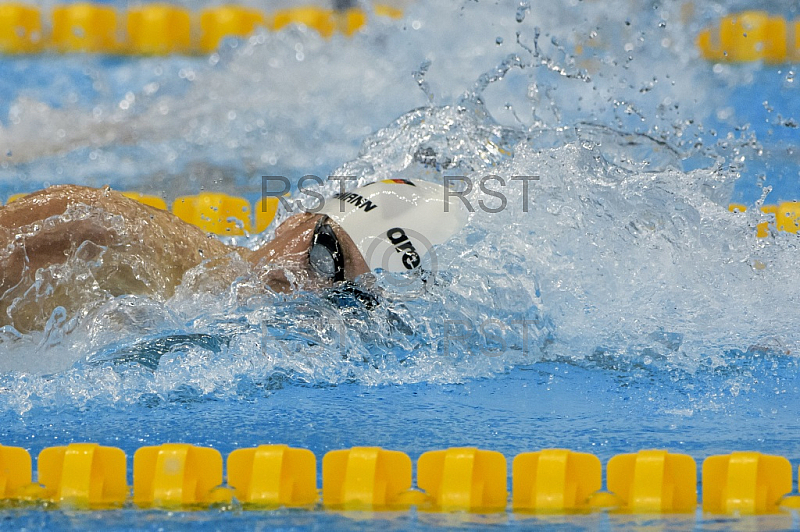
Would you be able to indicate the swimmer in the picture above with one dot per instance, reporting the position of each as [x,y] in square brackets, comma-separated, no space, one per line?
[112,245]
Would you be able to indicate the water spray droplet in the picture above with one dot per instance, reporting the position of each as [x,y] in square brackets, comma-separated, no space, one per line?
[419,77]
[522,10]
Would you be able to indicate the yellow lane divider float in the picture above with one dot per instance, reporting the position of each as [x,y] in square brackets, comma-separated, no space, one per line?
[218,213]
[751,36]
[273,475]
[466,479]
[84,28]
[156,29]
[787,217]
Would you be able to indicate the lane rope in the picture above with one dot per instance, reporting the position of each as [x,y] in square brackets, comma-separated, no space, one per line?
[158,28]
[463,479]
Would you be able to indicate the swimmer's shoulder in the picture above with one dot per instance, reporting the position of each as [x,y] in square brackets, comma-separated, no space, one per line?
[41,204]
[55,200]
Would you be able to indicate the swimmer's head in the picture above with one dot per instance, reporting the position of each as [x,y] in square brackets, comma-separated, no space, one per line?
[394,223]
[390,225]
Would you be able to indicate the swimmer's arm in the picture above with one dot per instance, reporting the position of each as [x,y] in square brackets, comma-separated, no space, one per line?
[27,243]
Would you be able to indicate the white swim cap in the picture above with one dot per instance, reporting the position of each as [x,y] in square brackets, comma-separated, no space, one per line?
[395,222]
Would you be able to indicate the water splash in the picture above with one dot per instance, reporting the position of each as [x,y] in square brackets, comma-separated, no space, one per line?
[419,77]
[620,256]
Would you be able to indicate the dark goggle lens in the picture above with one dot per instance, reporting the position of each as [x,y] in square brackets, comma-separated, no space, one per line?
[322,261]
[325,255]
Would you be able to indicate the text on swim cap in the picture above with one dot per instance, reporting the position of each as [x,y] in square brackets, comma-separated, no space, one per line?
[403,245]
[356,199]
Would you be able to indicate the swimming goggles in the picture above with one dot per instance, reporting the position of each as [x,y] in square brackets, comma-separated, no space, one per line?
[325,254]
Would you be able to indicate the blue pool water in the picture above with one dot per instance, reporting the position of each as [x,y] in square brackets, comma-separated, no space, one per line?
[622,308]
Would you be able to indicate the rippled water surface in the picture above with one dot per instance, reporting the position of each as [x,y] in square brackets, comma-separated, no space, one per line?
[611,304]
